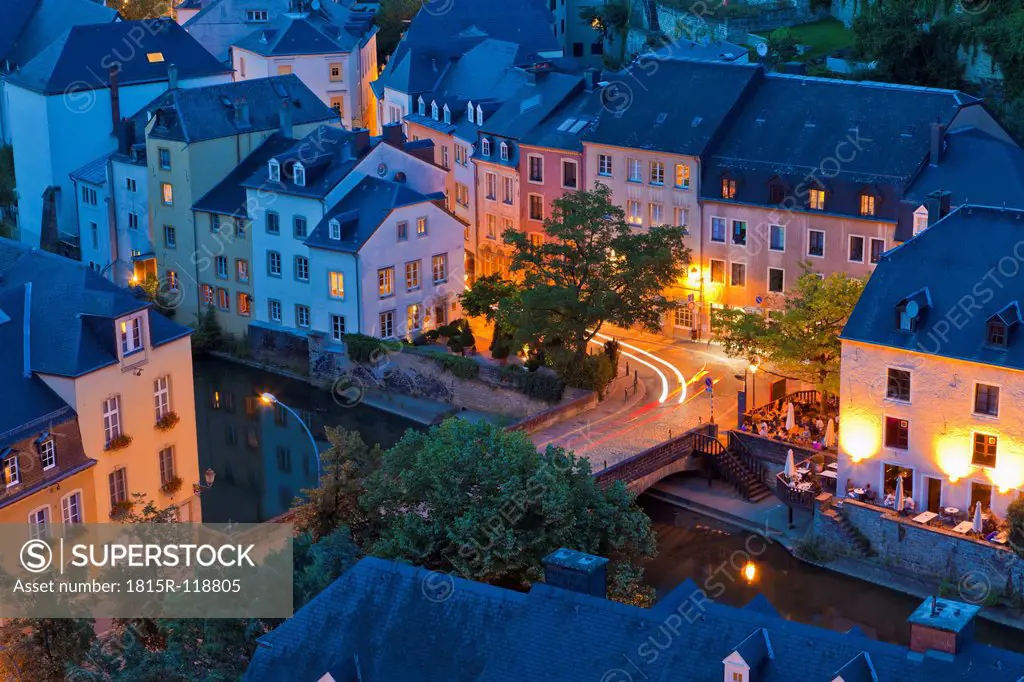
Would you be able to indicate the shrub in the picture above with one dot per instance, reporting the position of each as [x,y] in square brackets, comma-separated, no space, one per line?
[447,331]
[463,368]
[419,340]
[500,348]
[119,442]
[120,510]
[592,372]
[541,385]
[467,339]
[534,362]
[172,486]
[364,349]
[612,350]
[455,346]
[432,335]
[208,335]
[168,421]
[1015,519]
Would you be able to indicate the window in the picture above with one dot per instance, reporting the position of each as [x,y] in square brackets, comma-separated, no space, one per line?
[71,508]
[776,280]
[336,284]
[461,194]
[118,483]
[682,176]
[633,213]
[131,335]
[412,275]
[223,299]
[536,168]
[984,450]
[657,173]
[38,522]
[130,185]
[170,237]
[221,266]
[681,216]
[300,227]
[718,271]
[739,232]
[207,293]
[997,333]
[867,204]
[402,230]
[877,249]
[503,151]
[241,66]
[166,457]
[256,15]
[111,419]
[683,317]
[485,145]
[635,170]
[386,282]
[413,317]
[856,249]
[244,304]
[986,399]
[728,188]
[242,270]
[12,474]
[215,223]
[445,163]
[167,193]
[738,275]
[335,70]
[89,196]
[536,239]
[439,267]
[302,268]
[48,453]
[656,214]
[507,190]
[570,178]
[817,200]
[718,230]
[274,310]
[284,70]
[897,433]
[898,385]
[301,315]
[273,263]
[920,220]
[776,193]
[816,243]
[172,281]
[737,677]
[491,186]
[337,327]
[165,158]
[491,222]
[387,324]
[604,165]
[536,207]
[133,221]
[776,238]
[273,223]
[162,397]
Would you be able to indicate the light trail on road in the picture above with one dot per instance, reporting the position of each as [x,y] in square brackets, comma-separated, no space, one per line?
[652,356]
[664,379]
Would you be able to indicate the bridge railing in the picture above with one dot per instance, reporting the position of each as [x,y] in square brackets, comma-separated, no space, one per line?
[654,458]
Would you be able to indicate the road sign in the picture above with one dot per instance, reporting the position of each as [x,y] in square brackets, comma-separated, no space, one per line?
[690,298]
[709,385]
[759,300]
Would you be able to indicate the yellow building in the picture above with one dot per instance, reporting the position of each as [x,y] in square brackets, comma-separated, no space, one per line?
[98,399]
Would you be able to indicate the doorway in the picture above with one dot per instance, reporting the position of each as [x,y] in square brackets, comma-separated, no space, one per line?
[980,492]
[934,499]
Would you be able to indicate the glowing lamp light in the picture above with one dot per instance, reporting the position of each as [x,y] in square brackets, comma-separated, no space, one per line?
[694,274]
[750,572]
[953,459]
[1009,473]
[859,437]
[134,280]
[267,398]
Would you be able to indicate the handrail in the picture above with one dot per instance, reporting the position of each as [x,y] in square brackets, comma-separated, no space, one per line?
[805,396]
[748,459]
[802,498]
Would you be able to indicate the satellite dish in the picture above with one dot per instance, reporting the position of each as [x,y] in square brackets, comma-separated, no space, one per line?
[382,170]
[762,49]
[912,309]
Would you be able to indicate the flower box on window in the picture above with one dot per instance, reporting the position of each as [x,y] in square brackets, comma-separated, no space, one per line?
[168,421]
[121,510]
[172,486]
[119,442]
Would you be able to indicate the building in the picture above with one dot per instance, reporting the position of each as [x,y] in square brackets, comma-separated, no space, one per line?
[579,38]
[219,24]
[65,106]
[427,626]
[330,47]
[194,140]
[651,148]
[931,365]
[31,25]
[99,400]
[186,9]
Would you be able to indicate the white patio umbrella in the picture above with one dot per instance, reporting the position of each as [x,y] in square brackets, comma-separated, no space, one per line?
[790,466]
[899,494]
[790,418]
[830,434]
[976,526]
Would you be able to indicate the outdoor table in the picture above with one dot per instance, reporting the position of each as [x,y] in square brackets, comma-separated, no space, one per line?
[963,527]
[803,486]
[834,466]
[829,474]
[858,493]
[925,517]
[803,470]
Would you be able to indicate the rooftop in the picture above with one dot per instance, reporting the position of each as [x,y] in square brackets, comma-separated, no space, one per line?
[228,197]
[31,25]
[329,29]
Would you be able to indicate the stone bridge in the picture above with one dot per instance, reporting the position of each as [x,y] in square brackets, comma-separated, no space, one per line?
[646,468]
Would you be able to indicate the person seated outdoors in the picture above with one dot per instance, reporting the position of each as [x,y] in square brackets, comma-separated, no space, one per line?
[909,505]
[890,501]
[762,430]
[869,494]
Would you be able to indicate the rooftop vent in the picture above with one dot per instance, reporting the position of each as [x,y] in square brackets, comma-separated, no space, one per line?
[577,572]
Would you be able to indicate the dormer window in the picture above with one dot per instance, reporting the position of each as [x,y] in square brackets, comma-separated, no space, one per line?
[485,147]
[867,204]
[447,114]
[471,115]
[728,188]
[503,149]
[47,451]
[299,174]
[997,333]
[421,107]
[275,170]
[433,110]
[816,200]
[131,334]
[920,220]
[479,115]
[335,230]
[776,192]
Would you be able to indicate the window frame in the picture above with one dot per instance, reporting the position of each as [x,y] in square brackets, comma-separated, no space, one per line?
[871,250]
[711,270]
[899,389]
[811,231]
[711,229]
[782,288]
[849,248]
[782,231]
[974,402]
[988,440]
[903,433]
[732,274]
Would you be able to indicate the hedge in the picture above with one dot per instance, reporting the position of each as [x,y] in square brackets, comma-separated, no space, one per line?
[367,349]
[541,385]
[463,368]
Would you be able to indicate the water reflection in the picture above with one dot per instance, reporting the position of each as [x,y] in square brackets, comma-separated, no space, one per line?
[715,557]
[261,454]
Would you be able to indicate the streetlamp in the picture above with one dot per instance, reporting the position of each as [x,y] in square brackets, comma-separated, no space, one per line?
[209,476]
[752,367]
[271,399]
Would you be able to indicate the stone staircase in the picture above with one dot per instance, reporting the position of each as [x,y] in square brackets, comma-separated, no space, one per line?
[854,539]
[737,468]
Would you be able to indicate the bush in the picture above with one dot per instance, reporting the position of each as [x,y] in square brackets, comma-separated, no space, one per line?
[463,368]
[432,335]
[612,350]
[541,385]
[364,349]
[1015,519]
[500,347]
[419,340]
[592,372]
[467,339]
[534,362]
[455,346]
[168,421]
[447,331]
[208,335]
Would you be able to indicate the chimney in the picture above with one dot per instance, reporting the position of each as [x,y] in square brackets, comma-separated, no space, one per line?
[393,134]
[942,625]
[938,206]
[577,572]
[115,99]
[590,77]
[938,132]
[172,76]
[285,118]
[361,141]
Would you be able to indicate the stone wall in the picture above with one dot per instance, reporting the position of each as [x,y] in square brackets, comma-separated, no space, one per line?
[771,450]
[700,22]
[646,468]
[556,414]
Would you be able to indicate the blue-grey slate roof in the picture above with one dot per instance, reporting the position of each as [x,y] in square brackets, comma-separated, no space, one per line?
[675,106]
[328,154]
[322,31]
[73,311]
[94,172]
[387,621]
[956,264]
[210,112]
[361,211]
[28,26]
[80,59]
[228,197]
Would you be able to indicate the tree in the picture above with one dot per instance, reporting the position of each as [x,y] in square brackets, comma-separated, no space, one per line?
[40,648]
[593,268]
[318,564]
[802,341]
[346,464]
[208,334]
[393,19]
[133,10]
[162,299]
[782,44]
[482,502]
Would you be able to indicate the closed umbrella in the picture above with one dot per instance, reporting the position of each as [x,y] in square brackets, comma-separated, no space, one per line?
[899,494]
[976,525]
[790,466]
[790,418]
[830,434]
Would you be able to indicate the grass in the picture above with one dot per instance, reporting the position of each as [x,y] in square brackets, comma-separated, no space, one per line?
[826,36]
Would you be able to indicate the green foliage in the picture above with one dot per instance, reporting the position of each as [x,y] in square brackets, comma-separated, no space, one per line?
[541,385]
[613,351]
[393,19]
[208,335]
[782,44]
[803,340]
[318,564]
[1015,520]
[162,299]
[501,344]
[481,300]
[463,368]
[8,197]
[591,372]
[133,10]
[482,502]
[41,649]
[467,339]
[367,349]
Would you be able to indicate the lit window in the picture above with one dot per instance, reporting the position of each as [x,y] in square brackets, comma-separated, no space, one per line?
[817,200]
[682,176]
[386,282]
[244,304]
[985,447]
[867,204]
[337,284]
[412,275]
[421,227]
[155,57]
[728,188]
[167,193]
[413,317]
[131,335]
[439,265]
